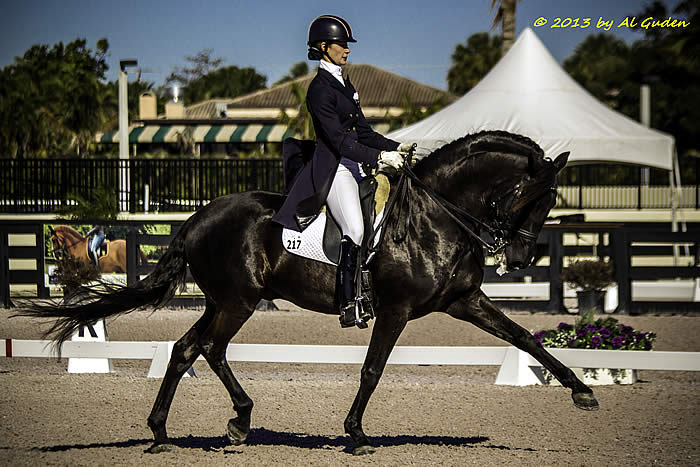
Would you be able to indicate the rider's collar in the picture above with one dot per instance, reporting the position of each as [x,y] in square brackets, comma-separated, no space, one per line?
[334,70]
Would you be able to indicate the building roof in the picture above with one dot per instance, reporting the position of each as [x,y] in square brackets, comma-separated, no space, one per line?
[205,109]
[376,87]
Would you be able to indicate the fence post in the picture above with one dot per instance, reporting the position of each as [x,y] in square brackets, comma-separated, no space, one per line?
[4,270]
[621,261]
[580,187]
[556,255]
[132,248]
[639,189]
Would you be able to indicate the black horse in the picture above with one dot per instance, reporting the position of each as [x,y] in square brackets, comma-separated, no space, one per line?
[236,257]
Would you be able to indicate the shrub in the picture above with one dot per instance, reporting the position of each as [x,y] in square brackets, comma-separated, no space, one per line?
[71,273]
[588,275]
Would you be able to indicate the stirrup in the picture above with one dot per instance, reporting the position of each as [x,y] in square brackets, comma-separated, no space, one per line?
[347,315]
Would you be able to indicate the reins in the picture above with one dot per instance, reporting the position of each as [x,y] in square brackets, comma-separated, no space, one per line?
[460,216]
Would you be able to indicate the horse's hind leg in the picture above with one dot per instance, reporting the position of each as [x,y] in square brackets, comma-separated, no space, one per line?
[223,327]
[480,311]
[185,352]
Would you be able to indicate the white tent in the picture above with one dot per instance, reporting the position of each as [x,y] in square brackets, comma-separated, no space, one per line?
[528,93]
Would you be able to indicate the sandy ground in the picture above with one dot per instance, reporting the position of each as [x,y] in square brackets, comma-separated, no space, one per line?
[419,415]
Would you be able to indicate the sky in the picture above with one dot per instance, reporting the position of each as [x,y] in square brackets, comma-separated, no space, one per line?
[408,37]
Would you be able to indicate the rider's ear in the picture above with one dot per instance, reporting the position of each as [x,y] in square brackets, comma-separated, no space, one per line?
[561,160]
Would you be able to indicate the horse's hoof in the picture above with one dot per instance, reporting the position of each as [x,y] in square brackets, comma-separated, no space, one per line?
[363,450]
[585,401]
[236,433]
[158,448]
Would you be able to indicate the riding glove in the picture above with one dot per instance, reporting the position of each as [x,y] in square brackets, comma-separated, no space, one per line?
[391,159]
[404,148]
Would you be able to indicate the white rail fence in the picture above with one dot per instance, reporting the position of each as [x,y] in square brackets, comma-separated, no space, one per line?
[515,366]
[610,197]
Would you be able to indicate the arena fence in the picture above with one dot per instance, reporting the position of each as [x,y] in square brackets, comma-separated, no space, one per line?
[516,366]
[639,253]
[182,185]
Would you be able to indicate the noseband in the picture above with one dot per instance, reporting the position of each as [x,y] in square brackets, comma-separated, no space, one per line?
[503,219]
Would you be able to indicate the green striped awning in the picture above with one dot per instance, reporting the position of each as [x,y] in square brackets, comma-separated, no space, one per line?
[249,133]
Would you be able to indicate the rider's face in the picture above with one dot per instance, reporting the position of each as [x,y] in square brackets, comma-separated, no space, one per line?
[338,51]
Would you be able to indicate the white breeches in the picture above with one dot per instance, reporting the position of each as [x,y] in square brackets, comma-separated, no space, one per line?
[344,204]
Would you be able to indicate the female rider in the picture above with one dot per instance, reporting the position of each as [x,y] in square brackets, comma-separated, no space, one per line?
[344,140]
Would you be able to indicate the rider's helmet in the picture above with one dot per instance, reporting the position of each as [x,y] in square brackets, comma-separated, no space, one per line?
[327,28]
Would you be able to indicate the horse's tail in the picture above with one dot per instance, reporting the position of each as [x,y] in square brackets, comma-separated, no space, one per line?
[90,304]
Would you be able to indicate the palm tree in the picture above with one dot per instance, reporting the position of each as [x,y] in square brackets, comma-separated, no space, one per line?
[505,16]
[301,124]
[412,112]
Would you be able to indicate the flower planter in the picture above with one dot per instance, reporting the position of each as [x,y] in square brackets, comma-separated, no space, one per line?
[596,376]
[591,301]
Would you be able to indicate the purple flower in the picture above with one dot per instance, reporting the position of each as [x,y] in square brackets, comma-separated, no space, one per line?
[640,336]
[604,332]
[581,333]
[596,341]
[572,342]
[591,327]
[626,329]
[563,326]
[617,341]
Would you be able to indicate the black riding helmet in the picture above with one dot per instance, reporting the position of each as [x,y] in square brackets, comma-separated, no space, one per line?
[327,28]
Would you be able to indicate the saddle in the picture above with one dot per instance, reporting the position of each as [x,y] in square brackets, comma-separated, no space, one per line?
[320,241]
[101,251]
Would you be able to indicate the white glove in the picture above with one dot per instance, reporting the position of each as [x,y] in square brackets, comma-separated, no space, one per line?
[390,159]
[404,148]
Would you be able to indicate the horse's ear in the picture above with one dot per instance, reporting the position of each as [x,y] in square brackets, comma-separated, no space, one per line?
[52,231]
[561,160]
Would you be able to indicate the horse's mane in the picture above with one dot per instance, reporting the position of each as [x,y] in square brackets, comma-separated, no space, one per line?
[66,230]
[491,141]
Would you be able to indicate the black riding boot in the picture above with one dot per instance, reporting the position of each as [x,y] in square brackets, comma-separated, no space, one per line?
[345,282]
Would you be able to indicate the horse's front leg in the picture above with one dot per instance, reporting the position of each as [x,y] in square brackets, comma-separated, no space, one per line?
[386,331]
[480,311]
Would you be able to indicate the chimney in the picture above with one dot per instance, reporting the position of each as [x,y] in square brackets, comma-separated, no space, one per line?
[175,109]
[147,106]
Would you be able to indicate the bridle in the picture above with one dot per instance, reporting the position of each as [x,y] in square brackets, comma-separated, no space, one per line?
[501,229]
[503,215]
[61,245]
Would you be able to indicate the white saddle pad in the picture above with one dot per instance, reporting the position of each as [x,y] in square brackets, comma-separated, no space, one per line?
[309,243]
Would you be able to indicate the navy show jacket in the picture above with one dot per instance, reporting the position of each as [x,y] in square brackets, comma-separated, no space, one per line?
[341,131]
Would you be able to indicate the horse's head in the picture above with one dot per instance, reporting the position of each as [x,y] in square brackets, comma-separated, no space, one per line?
[520,213]
[58,243]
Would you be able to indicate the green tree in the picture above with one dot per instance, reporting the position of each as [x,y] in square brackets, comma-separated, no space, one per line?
[601,65]
[412,113]
[109,102]
[229,81]
[301,124]
[50,99]
[668,59]
[200,65]
[297,70]
[472,61]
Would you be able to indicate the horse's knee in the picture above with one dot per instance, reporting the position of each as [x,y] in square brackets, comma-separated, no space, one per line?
[370,375]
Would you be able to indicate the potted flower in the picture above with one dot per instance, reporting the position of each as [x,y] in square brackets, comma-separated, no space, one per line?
[590,278]
[605,334]
[71,273]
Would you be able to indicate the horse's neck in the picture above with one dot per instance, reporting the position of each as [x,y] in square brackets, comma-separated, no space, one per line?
[73,236]
[468,183]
